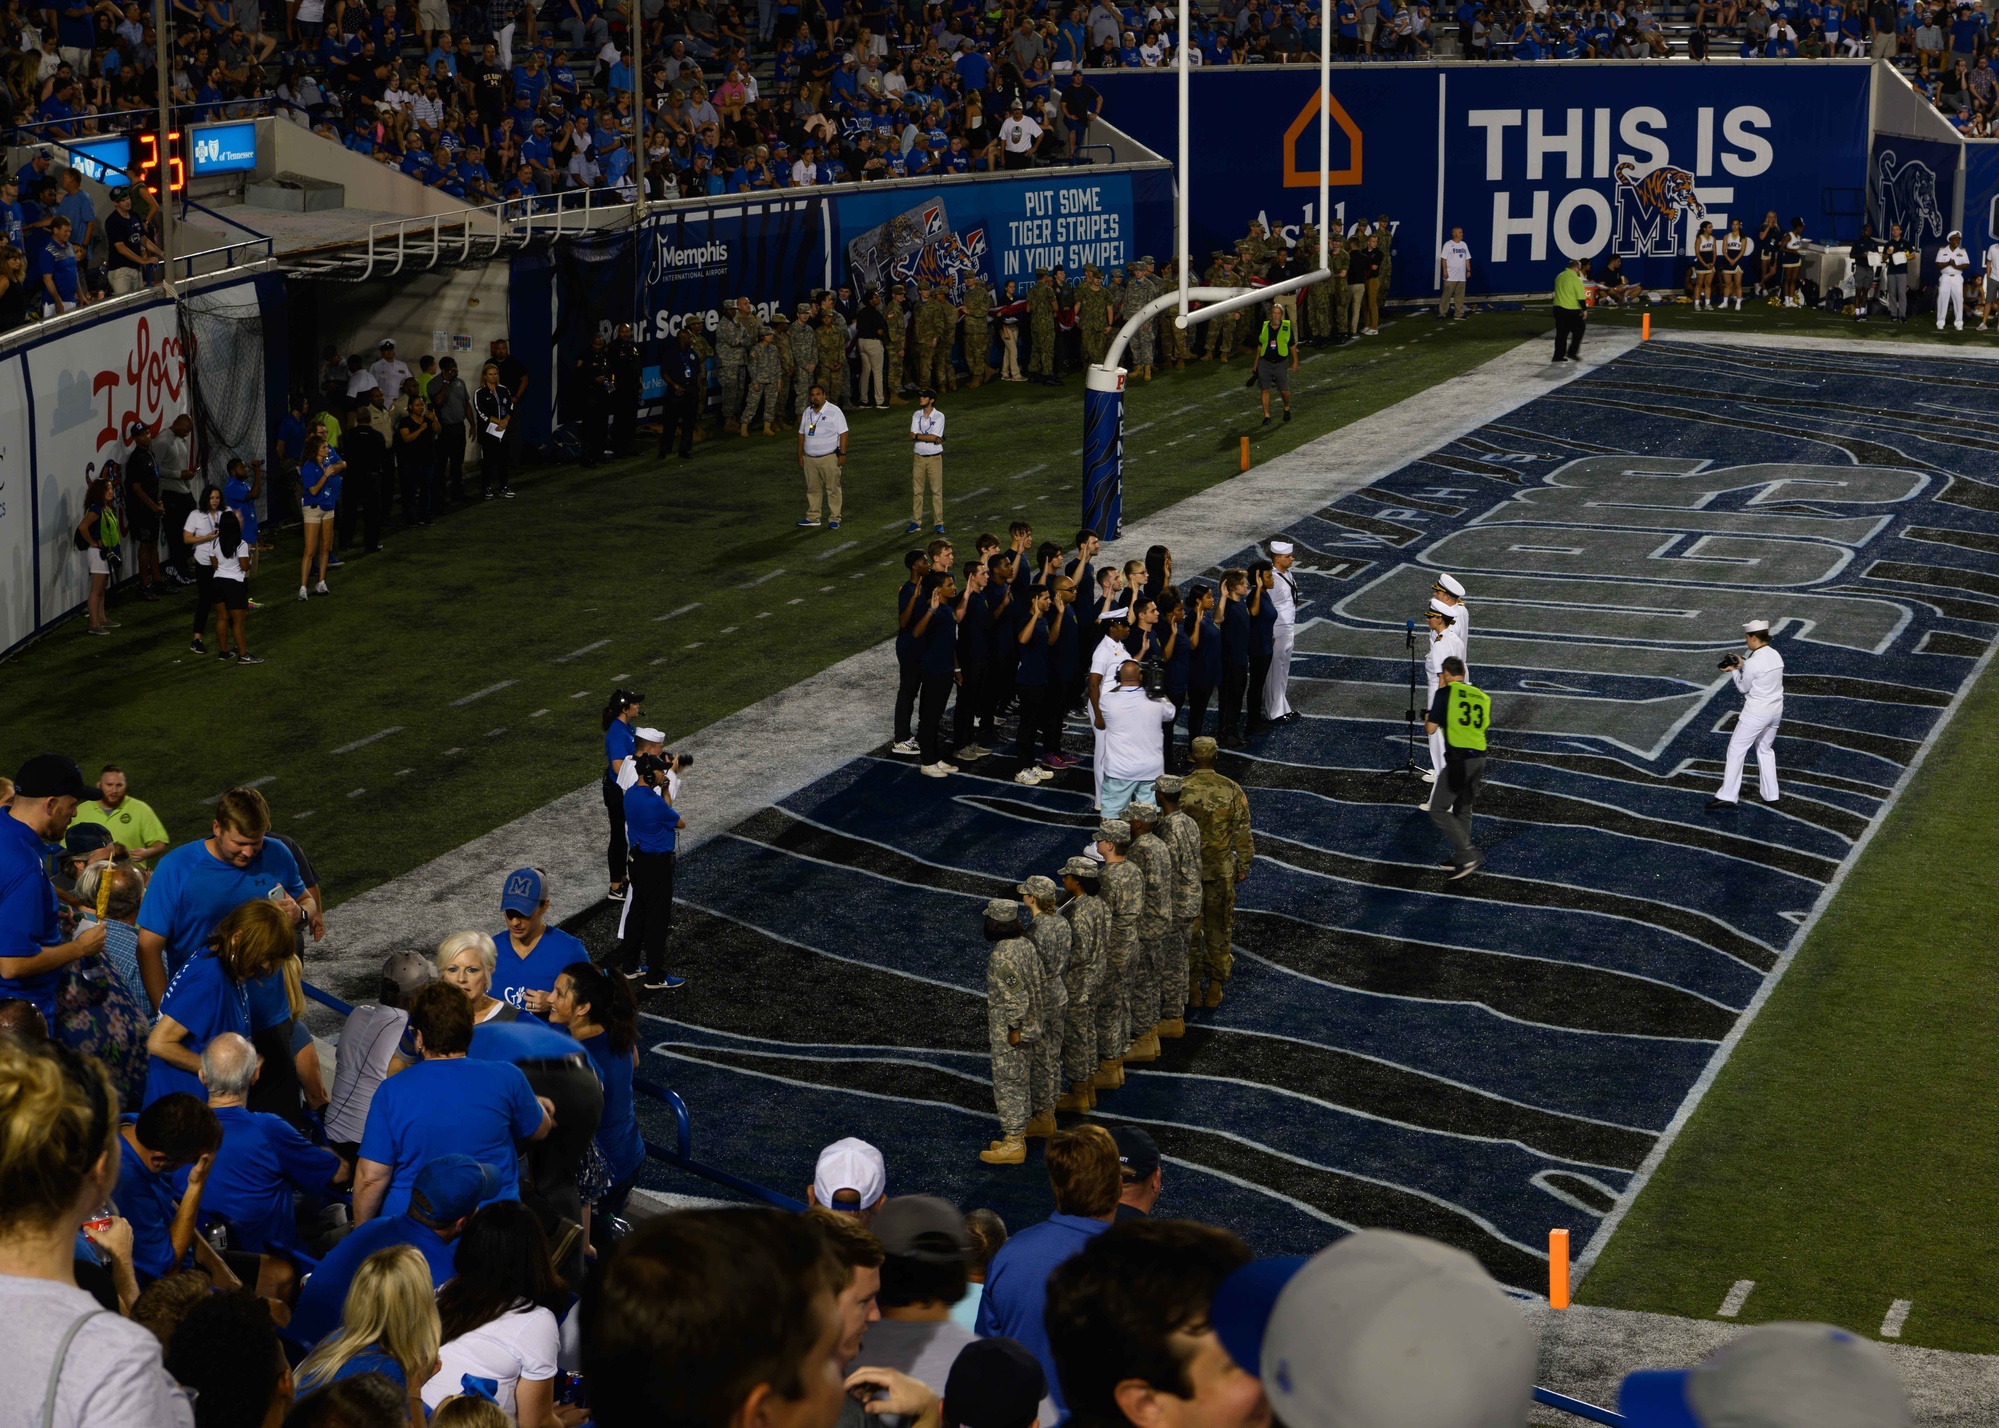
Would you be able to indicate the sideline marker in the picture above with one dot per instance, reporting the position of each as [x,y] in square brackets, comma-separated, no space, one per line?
[1645,327]
[1558,1269]
[1245,453]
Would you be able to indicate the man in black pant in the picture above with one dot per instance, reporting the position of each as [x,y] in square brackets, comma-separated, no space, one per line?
[1232,619]
[453,405]
[680,366]
[936,632]
[909,672]
[627,379]
[178,482]
[1569,319]
[1262,639]
[974,714]
[365,444]
[593,399]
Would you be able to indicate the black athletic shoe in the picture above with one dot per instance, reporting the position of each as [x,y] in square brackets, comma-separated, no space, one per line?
[1717,803]
[1468,869]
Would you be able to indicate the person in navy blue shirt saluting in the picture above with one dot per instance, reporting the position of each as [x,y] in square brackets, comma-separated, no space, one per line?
[655,831]
[530,953]
[620,718]
[33,950]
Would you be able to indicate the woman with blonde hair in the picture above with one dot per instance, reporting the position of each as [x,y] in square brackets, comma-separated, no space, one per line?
[210,994]
[59,1161]
[467,961]
[388,1326]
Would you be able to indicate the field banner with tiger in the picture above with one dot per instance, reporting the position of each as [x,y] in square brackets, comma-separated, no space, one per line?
[1538,162]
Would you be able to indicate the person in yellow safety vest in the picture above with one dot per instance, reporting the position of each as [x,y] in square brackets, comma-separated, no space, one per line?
[1277,358]
[1463,715]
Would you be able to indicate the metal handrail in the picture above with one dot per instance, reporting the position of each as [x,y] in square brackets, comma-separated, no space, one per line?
[1580,1409]
[681,1157]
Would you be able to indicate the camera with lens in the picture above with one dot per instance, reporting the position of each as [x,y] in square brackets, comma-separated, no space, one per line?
[1730,661]
[1152,674]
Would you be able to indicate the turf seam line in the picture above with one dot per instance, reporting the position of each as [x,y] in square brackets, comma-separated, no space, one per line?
[1698,1092]
[363,743]
[482,693]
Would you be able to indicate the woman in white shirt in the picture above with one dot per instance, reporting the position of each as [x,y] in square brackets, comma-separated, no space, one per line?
[199,531]
[231,587]
[498,1313]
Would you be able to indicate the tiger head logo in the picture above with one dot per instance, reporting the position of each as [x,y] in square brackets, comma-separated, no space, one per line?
[1649,209]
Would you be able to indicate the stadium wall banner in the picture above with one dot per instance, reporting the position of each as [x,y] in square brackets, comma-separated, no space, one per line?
[1981,197]
[1913,182]
[1537,163]
[67,398]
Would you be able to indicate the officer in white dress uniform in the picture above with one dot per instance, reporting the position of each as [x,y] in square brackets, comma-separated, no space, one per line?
[1451,593]
[1759,675]
[1284,599]
[1444,642]
[1105,661]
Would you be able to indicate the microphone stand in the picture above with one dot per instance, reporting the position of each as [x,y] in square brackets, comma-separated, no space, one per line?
[1409,715]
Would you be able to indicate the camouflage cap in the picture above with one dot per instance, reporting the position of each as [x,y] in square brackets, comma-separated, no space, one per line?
[1041,272]
[780,320]
[1002,909]
[1081,867]
[1147,813]
[1091,269]
[1113,830]
[1204,747]
[1039,887]
[805,307]
[1168,785]
[1142,261]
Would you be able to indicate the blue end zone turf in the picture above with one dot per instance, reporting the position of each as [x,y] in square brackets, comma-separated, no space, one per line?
[1479,1061]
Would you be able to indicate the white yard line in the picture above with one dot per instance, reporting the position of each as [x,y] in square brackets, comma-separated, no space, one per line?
[482,693]
[578,654]
[676,614]
[363,743]
[1738,1295]
[1898,1315]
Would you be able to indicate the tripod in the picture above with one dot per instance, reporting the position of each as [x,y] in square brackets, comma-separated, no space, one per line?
[1410,715]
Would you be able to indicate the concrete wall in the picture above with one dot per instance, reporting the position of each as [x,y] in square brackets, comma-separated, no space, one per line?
[286,148]
[470,302]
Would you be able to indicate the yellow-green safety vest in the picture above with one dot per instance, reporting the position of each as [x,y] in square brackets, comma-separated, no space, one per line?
[1466,718]
[1283,339]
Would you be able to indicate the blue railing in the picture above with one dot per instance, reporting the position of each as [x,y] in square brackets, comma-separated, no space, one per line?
[1552,1399]
[681,1157]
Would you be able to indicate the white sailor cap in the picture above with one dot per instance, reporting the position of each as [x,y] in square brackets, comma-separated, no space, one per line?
[1450,583]
[1280,547]
[1441,611]
[1756,627]
[1111,617]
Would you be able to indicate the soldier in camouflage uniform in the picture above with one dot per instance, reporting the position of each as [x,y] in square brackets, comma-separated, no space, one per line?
[1140,289]
[1338,256]
[735,337]
[1041,299]
[1182,836]
[1049,932]
[1089,938]
[765,371]
[978,309]
[1384,231]
[1123,894]
[832,373]
[898,336]
[1220,274]
[924,331]
[1254,249]
[1155,927]
[1093,316]
[1171,342]
[941,376]
[804,359]
[1220,810]
[1318,297]
[1013,1025]
[703,349]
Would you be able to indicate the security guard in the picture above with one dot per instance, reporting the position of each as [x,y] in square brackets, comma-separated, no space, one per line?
[1462,715]
[1759,676]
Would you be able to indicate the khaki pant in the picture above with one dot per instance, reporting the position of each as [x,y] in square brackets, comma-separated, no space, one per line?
[871,373]
[1453,293]
[822,476]
[1373,303]
[1356,306]
[124,280]
[927,474]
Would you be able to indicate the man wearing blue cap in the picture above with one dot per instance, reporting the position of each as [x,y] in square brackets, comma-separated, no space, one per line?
[33,953]
[447,1190]
[532,954]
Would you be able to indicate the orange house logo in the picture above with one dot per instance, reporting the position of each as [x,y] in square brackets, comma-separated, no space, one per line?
[1307,123]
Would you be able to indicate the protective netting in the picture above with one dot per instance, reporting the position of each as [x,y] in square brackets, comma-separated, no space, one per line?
[223,338]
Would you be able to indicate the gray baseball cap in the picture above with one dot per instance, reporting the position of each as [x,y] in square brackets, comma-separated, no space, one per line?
[1774,1376]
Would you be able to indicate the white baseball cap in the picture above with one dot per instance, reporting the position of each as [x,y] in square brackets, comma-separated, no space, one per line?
[849,1165]
[1385,1327]
[1774,1376]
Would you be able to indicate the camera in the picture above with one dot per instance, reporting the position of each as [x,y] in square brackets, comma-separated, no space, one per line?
[1152,675]
[679,763]
[1730,661]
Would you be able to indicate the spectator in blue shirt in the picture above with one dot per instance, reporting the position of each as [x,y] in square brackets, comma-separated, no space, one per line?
[174,1132]
[210,994]
[262,1162]
[597,1007]
[1083,1173]
[33,951]
[446,1192]
[531,953]
[58,268]
[654,825]
[198,884]
[445,1103]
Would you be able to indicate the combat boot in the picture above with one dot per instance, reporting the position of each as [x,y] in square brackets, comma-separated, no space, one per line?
[1110,1075]
[895,400]
[1041,1125]
[1172,1028]
[1146,1048]
[1011,1151]
[769,430]
[1214,993]
[1194,993]
[1080,1098]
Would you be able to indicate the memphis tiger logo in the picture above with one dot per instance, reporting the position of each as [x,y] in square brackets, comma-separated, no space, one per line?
[1649,210]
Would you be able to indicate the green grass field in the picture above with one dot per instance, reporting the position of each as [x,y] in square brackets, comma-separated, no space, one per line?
[1842,1160]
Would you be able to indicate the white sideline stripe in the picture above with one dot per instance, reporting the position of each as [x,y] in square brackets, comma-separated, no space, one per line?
[537,714]
[1738,1295]
[356,793]
[482,693]
[363,743]
[829,554]
[761,579]
[578,654]
[1022,475]
[1898,1315]
[676,614]
[1587,1260]
[215,798]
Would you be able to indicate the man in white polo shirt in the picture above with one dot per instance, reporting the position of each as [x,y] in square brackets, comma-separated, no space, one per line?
[822,455]
[1457,272]
[926,434]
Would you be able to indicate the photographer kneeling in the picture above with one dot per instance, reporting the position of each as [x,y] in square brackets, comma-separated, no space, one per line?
[1134,756]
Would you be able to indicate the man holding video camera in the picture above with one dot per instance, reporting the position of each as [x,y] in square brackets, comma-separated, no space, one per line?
[650,784]
[1133,754]
[1759,676]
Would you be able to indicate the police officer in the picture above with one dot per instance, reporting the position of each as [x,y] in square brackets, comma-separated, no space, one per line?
[1759,676]
[1462,715]
[1014,1025]
[626,381]
[1220,809]
[593,397]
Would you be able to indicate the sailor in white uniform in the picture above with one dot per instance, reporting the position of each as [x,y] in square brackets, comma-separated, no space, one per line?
[1444,642]
[1451,593]
[1759,675]
[1284,600]
[1105,661]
